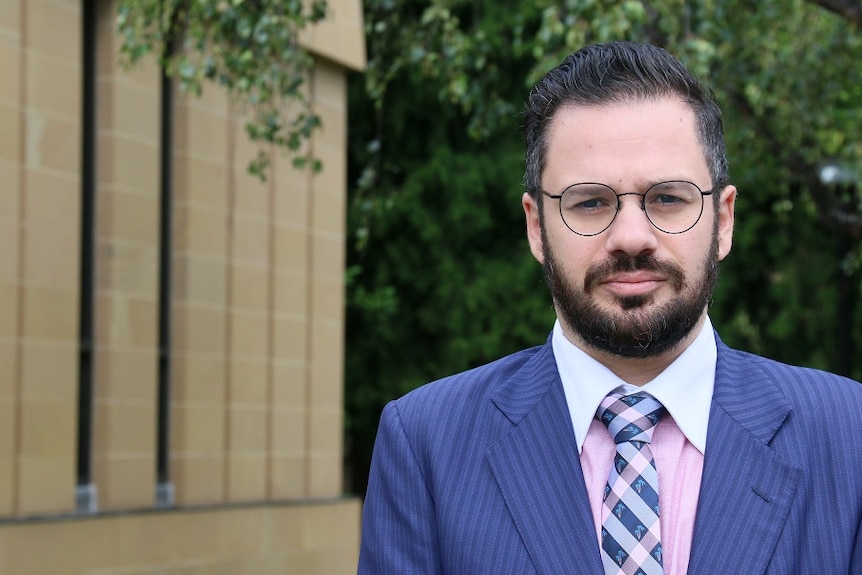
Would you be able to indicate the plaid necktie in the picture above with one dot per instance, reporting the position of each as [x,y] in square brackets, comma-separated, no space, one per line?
[630,533]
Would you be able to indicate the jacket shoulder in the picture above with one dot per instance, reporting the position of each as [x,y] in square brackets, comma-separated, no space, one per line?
[466,387]
[804,387]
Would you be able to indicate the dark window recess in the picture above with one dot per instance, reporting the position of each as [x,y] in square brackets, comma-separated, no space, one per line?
[85,492]
[164,487]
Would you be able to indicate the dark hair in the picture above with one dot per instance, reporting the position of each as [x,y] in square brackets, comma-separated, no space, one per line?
[617,72]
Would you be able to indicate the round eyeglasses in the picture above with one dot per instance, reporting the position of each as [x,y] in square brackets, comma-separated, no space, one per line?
[673,207]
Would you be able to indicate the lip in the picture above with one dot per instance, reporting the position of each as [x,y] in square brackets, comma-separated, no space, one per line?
[633,283]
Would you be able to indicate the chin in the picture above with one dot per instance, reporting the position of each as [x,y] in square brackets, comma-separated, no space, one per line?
[632,302]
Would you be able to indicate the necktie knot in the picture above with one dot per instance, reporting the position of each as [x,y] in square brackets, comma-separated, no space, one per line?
[630,417]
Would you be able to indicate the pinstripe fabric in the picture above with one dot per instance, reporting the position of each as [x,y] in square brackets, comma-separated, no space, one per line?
[775,453]
[452,488]
[479,474]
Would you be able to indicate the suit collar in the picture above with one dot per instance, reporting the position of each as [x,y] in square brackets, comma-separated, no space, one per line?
[745,393]
[748,394]
[538,470]
[747,486]
[518,395]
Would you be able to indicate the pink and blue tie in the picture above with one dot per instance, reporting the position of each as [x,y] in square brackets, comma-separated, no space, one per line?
[631,542]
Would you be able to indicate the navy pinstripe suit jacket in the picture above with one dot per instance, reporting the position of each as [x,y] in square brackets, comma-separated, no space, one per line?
[478,473]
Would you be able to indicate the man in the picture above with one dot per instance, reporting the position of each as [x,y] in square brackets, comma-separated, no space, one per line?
[634,440]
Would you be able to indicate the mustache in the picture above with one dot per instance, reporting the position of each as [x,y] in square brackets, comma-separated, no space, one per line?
[625,263]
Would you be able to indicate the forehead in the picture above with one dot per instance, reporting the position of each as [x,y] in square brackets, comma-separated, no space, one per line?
[632,141]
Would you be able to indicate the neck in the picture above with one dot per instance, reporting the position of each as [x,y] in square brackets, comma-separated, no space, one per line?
[635,370]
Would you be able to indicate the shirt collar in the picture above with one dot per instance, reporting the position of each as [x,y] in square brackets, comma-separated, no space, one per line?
[684,387]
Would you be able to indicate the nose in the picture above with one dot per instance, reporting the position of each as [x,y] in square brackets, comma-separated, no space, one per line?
[631,232]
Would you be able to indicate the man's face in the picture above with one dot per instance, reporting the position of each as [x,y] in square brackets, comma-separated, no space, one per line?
[632,290]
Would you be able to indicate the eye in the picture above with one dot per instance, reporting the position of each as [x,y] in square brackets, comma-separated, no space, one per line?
[666,199]
[590,204]
[589,199]
[671,195]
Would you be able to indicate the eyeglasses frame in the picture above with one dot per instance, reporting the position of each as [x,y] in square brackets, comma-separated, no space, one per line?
[703,193]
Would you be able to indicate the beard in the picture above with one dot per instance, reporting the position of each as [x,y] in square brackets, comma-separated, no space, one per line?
[638,329]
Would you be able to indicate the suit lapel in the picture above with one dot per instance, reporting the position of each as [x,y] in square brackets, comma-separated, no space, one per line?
[747,487]
[538,470]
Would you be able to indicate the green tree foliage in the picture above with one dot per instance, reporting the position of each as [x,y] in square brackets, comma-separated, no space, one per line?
[788,77]
[437,254]
[250,47]
[440,277]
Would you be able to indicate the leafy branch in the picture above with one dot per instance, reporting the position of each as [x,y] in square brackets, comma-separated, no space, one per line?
[250,47]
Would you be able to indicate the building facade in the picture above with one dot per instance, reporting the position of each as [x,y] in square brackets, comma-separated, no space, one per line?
[171,328]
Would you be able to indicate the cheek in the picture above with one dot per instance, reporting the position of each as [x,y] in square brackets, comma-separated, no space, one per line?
[698,256]
[574,254]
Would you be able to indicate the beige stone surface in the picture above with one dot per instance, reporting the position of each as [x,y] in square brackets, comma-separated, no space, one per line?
[256,310]
[314,539]
[340,36]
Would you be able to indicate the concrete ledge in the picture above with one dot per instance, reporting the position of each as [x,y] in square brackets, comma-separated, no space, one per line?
[319,537]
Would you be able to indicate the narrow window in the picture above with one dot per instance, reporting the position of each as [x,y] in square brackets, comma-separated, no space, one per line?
[164,487]
[85,491]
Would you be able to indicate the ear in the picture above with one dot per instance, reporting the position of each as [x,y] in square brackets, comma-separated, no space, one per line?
[534,227]
[726,205]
